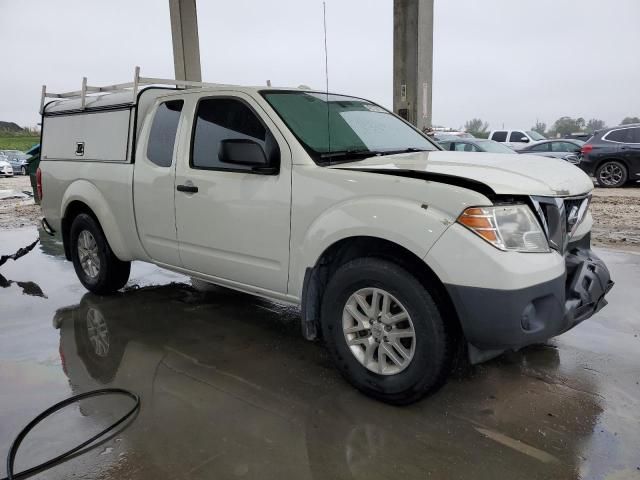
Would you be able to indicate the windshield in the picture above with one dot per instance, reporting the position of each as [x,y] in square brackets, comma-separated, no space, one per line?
[493,147]
[535,135]
[346,125]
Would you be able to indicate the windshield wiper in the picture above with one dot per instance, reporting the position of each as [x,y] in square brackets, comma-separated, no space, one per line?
[349,154]
[406,150]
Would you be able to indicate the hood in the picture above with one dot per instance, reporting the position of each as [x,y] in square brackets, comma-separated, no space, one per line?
[4,163]
[517,174]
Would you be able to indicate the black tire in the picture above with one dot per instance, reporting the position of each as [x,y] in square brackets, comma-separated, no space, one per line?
[434,341]
[612,174]
[112,273]
[23,170]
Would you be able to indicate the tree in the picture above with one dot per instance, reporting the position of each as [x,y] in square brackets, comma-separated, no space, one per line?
[477,128]
[595,124]
[539,127]
[630,120]
[567,125]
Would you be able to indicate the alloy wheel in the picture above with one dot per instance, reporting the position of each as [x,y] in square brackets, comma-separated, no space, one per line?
[379,331]
[611,174]
[88,254]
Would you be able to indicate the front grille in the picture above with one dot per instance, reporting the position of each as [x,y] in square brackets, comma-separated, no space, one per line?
[560,217]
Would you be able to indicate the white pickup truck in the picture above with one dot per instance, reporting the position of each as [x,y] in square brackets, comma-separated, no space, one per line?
[400,255]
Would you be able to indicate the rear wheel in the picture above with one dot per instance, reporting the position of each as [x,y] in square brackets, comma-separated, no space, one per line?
[97,267]
[611,174]
[385,331]
[23,170]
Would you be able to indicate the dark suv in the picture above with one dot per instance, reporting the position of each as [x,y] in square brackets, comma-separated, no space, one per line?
[612,155]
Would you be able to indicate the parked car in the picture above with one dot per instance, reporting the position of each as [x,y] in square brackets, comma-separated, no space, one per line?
[399,254]
[566,149]
[475,145]
[515,139]
[17,159]
[5,168]
[612,155]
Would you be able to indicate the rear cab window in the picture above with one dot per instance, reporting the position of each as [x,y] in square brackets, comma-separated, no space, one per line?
[162,137]
[499,136]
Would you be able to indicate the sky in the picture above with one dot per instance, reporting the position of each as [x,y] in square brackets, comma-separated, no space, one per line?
[508,62]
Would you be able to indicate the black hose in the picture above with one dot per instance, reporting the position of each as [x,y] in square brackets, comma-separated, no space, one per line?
[13,450]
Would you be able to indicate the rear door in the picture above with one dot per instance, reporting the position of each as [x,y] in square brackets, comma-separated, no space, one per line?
[154,182]
[630,151]
[234,222]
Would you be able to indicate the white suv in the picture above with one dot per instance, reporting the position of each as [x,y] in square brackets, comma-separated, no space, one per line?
[400,255]
[515,139]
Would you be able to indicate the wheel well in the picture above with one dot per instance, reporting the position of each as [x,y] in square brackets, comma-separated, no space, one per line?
[343,251]
[74,209]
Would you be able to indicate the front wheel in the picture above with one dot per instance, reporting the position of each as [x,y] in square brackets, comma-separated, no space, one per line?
[97,267]
[385,331]
[23,170]
[611,174]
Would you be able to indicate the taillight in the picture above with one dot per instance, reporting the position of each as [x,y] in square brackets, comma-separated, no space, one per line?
[39,182]
[586,149]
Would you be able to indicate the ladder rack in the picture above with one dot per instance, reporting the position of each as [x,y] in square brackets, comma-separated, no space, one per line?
[132,87]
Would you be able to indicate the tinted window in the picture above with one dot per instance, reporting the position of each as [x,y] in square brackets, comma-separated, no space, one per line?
[624,135]
[162,137]
[499,136]
[220,119]
[516,136]
[544,147]
[634,135]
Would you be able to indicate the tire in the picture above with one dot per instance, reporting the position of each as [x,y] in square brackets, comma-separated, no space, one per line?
[23,171]
[428,355]
[103,273]
[611,174]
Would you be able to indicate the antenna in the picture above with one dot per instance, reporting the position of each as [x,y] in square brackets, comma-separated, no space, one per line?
[326,72]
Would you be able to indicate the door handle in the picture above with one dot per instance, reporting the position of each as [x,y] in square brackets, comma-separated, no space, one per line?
[187,188]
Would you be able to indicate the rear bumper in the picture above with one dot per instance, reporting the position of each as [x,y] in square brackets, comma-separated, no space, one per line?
[497,320]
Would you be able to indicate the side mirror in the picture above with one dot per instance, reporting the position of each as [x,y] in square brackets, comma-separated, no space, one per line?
[524,139]
[245,152]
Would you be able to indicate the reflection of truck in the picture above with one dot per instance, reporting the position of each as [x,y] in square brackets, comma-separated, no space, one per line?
[218,371]
[398,253]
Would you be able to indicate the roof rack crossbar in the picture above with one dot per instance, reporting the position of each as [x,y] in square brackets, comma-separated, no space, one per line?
[132,87]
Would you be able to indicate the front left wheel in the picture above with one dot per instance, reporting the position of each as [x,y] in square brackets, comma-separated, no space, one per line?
[386,331]
[97,267]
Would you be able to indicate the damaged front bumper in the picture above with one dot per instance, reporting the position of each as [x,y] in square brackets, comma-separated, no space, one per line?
[494,321]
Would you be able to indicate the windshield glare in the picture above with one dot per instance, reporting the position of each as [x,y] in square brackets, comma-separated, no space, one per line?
[535,135]
[345,124]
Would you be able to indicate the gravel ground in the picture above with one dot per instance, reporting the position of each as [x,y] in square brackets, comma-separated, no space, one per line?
[616,218]
[616,213]
[17,212]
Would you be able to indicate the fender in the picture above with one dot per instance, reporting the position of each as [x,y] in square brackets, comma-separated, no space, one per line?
[407,223]
[87,193]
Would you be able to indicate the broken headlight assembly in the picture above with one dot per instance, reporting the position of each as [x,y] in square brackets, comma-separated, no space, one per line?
[506,227]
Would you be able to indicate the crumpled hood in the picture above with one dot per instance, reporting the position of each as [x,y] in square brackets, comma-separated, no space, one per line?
[517,174]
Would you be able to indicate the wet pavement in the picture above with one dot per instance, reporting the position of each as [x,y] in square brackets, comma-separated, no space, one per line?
[231,390]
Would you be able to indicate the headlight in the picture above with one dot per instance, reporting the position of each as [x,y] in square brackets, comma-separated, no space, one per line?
[507,227]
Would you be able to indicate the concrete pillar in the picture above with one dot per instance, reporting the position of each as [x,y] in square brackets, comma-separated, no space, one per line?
[413,60]
[186,45]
